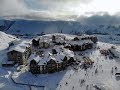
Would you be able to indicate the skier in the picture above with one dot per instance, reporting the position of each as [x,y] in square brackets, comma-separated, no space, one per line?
[96,71]
[87,87]
[66,83]
[112,71]
[73,88]
[115,68]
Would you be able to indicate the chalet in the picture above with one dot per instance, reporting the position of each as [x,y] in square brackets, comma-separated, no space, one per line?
[50,66]
[51,62]
[19,53]
[36,67]
[79,45]
[90,37]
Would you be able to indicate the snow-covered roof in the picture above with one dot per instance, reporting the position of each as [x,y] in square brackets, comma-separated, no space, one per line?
[64,38]
[43,60]
[81,42]
[47,40]
[84,35]
[20,47]
[58,58]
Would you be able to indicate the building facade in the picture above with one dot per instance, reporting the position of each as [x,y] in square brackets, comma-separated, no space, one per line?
[50,67]
[19,53]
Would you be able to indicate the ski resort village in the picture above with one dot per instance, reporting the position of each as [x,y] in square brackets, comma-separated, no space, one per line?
[59,62]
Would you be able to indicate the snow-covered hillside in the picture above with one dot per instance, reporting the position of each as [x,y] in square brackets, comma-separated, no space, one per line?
[31,27]
[101,75]
[5,82]
[5,39]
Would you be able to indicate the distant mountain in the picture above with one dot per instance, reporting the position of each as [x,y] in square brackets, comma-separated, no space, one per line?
[31,27]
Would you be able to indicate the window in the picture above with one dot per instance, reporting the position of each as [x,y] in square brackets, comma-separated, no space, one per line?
[11,53]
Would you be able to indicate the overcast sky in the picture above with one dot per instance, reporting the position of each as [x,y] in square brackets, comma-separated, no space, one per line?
[58,9]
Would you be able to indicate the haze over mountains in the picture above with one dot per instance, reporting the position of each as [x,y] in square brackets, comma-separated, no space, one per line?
[33,27]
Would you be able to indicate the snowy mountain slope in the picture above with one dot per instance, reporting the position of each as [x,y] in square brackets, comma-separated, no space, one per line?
[70,27]
[5,39]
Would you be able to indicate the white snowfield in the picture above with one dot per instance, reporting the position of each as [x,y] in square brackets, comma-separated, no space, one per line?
[5,39]
[99,77]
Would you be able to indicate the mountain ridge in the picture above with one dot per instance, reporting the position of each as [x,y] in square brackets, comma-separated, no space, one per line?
[32,27]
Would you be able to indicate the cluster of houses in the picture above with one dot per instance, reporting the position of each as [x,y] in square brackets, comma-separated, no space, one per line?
[81,43]
[48,54]
[51,60]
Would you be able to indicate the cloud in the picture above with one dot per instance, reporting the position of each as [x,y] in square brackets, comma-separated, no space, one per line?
[59,4]
[17,9]
[85,11]
[12,7]
[100,18]
[38,9]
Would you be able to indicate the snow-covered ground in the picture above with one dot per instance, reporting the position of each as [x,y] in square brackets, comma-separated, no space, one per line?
[5,39]
[104,78]
[101,74]
[5,73]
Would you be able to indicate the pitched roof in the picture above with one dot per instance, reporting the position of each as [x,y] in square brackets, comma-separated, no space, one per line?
[58,58]
[20,46]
